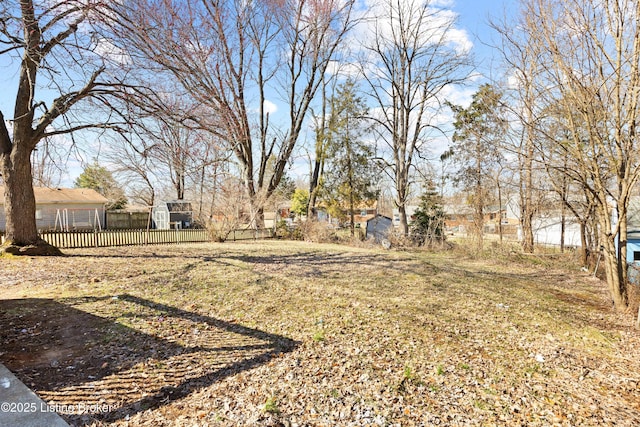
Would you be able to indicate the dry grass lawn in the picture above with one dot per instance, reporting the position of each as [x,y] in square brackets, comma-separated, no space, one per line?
[300,334]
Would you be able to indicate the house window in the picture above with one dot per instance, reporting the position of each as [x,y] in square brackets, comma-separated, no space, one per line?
[636,255]
[38,214]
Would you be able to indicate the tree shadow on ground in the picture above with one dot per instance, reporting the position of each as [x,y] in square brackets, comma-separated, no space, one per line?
[328,264]
[125,353]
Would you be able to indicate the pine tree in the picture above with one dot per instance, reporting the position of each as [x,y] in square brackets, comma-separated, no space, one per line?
[479,131]
[427,226]
[349,176]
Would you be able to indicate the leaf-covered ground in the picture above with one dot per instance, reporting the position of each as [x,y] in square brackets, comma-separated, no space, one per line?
[299,334]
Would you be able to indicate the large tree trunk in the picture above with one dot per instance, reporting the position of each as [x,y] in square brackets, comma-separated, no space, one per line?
[500,229]
[259,218]
[404,223]
[584,249]
[622,254]
[478,223]
[617,287]
[21,236]
[318,164]
[526,179]
[526,217]
[614,266]
[179,184]
[19,199]
[312,212]
[563,226]
[479,201]
[402,188]
[256,199]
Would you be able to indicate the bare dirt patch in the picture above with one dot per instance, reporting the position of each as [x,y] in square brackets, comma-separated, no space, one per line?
[284,333]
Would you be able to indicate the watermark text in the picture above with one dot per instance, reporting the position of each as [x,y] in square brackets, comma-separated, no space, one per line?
[60,408]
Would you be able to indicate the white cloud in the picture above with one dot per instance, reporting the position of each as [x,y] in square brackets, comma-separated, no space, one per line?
[343,69]
[443,3]
[374,18]
[108,51]
[460,39]
[269,107]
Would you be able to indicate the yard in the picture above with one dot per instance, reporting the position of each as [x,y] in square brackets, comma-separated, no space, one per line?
[291,333]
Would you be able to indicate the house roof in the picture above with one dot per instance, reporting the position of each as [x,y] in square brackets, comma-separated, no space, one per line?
[378,217]
[45,196]
[176,206]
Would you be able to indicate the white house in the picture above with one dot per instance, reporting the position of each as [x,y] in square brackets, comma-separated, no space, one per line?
[548,231]
[410,210]
[64,208]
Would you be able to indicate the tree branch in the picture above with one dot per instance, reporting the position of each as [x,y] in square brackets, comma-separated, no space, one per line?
[62,104]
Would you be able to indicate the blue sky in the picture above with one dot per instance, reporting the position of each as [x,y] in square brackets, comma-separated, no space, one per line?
[7,87]
[473,19]
[474,14]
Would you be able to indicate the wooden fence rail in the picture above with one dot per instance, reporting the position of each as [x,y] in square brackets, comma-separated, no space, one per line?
[103,238]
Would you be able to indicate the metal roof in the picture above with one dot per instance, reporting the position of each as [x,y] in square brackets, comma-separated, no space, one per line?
[176,206]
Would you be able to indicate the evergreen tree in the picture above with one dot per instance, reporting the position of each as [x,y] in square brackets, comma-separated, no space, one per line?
[349,174]
[427,226]
[101,179]
[479,132]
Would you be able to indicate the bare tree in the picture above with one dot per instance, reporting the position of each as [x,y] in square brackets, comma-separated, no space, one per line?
[522,68]
[320,150]
[180,151]
[410,59]
[49,162]
[52,45]
[131,161]
[568,181]
[590,60]
[228,55]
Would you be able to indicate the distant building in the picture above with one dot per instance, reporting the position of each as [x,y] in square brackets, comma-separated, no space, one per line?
[365,212]
[65,209]
[633,231]
[361,214]
[458,218]
[378,228]
[547,230]
[410,210]
[172,214]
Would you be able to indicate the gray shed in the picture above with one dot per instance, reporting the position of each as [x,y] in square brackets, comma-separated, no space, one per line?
[172,214]
[378,228]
